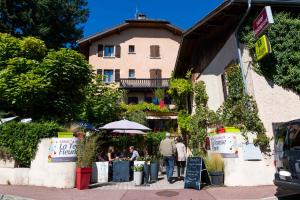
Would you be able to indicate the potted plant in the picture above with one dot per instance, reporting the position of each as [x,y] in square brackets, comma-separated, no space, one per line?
[146,170]
[215,167]
[138,174]
[160,94]
[86,153]
[154,166]
[139,161]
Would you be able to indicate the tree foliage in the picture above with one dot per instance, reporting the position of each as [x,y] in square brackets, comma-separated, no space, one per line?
[38,83]
[179,90]
[57,22]
[282,66]
[102,104]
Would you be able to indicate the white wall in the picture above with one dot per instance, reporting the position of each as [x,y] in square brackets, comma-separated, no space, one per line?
[212,74]
[275,104]
[41,173]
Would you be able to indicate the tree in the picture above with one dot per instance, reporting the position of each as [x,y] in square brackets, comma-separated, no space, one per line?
[102,103]
[38,83]
[57,22]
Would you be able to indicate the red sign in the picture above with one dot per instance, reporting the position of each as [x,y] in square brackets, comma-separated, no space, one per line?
[263,21]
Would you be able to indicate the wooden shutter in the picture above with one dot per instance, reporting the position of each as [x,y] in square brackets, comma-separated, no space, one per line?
[117,75]
[100,50]
[99,71]
[156,51]
[152,51]
[118,51]
[152,73]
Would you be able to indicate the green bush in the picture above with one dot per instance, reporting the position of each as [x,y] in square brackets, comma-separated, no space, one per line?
[21,139]
[282,66]
[5,153]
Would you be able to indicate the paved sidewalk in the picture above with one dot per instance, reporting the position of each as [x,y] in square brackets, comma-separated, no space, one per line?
[208,193]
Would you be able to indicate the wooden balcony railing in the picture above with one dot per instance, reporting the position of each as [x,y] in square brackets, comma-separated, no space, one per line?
[144,83]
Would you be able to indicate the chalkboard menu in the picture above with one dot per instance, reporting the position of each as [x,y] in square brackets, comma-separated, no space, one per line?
[195,173]
[121,171]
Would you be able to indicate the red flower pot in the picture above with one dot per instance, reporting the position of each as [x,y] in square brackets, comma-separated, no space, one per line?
[221,130]
[162,103]
[83,177]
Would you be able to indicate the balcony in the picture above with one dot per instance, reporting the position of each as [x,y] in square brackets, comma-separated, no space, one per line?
[144,83]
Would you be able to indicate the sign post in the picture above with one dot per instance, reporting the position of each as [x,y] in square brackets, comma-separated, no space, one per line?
[262,21]
[195,173]
[262,47]
[259,25]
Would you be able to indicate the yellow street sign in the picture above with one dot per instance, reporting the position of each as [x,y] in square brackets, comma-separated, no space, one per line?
[262,47]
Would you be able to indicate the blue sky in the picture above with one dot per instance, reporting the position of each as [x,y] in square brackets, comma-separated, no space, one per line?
[182,13]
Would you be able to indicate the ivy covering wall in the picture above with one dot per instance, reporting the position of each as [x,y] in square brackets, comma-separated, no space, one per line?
[282,66]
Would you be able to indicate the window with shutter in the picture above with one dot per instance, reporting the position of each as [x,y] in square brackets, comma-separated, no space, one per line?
[117,75]
[109,51]
[100,50]
[154,51]
[118,51]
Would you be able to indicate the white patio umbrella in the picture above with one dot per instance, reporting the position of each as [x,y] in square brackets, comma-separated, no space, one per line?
[2,121]
[125,125]
[135,132]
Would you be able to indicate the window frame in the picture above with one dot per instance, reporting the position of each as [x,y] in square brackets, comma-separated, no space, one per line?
[104,78]
[131,52]
[130,70]
[114,51]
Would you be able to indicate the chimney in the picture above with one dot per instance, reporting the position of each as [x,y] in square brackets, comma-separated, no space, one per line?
[141,16]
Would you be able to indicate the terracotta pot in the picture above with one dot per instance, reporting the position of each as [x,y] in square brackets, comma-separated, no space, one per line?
[83,177]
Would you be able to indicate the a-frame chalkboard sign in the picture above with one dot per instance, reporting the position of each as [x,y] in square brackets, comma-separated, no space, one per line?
[195,173]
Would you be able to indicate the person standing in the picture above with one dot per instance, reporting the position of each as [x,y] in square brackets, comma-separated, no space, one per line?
[181,157]
[134,153]
[168,149]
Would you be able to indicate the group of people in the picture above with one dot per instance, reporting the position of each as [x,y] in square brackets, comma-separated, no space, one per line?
[112,155]
[172,151]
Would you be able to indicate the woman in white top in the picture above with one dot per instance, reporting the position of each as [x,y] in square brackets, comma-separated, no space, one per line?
[181,157]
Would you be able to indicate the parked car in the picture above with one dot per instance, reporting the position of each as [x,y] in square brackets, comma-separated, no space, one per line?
[287,156]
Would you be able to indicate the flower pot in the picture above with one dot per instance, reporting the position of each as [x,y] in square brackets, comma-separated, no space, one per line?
[138,177]
[154,171]
[100,172]
[146,173]
[121,170]
[217,178]
[83,177]
[162,103]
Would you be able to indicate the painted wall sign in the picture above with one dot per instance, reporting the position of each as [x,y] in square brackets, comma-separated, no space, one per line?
[65,134]
[225,144]
[62,150]
[262,47]
[263,21]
